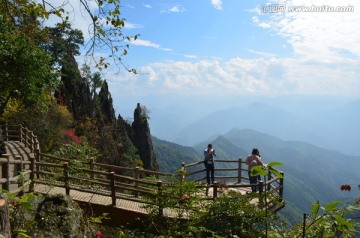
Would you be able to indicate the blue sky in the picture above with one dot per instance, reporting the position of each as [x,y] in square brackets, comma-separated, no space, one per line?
[211,49]
[196,30]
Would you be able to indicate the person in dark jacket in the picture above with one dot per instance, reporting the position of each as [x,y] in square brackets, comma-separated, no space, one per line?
[209,155]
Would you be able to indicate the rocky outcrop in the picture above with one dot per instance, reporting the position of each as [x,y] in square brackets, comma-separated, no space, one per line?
[117,140]
[142,138]
[74,91]
[107,112]
[51,216]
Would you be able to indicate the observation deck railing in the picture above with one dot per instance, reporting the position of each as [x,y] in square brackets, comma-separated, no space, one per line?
[131,184]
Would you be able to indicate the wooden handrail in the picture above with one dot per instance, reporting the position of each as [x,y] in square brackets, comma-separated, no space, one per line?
[98,174]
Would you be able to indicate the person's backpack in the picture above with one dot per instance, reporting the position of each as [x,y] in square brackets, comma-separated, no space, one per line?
[209,157]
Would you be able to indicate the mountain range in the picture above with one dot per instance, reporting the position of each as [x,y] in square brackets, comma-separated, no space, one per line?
[312,173]
[331,124]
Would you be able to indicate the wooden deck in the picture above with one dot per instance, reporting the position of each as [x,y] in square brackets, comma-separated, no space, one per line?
[120,211]
[17,150]
[93,198]
[119,196]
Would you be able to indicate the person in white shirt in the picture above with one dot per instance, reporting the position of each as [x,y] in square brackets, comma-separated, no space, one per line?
[254,160]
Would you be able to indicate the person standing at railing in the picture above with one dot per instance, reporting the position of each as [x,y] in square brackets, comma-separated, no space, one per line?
[254,159]
[209,155]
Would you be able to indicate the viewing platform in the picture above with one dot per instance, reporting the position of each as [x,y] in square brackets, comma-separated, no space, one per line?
[120,190]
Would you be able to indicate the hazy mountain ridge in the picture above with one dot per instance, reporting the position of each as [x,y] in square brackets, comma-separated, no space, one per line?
[311,173]
[325,123]
[323,168]
[170,155]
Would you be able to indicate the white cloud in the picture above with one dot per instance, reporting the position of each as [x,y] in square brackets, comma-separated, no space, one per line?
[264,25]
[147,5]
[320,36]
[147,43]
[325,59]
[239,76]
[262,54]
[191,56]
[174,9]
[151,75]
[217,4]
[129,25]
[257,21]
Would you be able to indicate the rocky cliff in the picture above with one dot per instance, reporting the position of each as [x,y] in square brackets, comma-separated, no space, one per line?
[55,216]
[118,142]
[142,138]
[74,92]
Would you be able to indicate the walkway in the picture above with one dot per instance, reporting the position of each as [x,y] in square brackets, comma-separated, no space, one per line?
[23,165]
[17,151]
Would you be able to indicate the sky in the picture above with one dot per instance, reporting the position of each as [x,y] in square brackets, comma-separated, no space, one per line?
[204,50]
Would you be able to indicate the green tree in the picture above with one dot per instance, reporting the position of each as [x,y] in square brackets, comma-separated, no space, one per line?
[93,79]
[78,154]
[63,42]
[25,69]
[105,30]
[332,220]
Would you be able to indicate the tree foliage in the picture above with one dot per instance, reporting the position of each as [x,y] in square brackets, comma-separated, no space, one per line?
[105,30]
[25,70]
[78,154]
[63,41]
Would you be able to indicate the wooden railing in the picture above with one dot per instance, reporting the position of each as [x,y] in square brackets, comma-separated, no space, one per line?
[122,182]
[96,178]
[271,188]
[196,171]
[19,173]
[22,134]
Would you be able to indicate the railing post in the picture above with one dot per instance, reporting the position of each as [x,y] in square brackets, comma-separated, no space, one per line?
[269,177]
[304,225]
[160,199]
[215,189]
[26,138]
[182,172]
[35,143]
[37,159]
[66,178]
[281,185]
[18,166]
[6,132]
[261,191]
[136,185]
[112,187]
[239,170]
[32,139]
[20,134]
[5,169]
[32,174]
[92,168]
